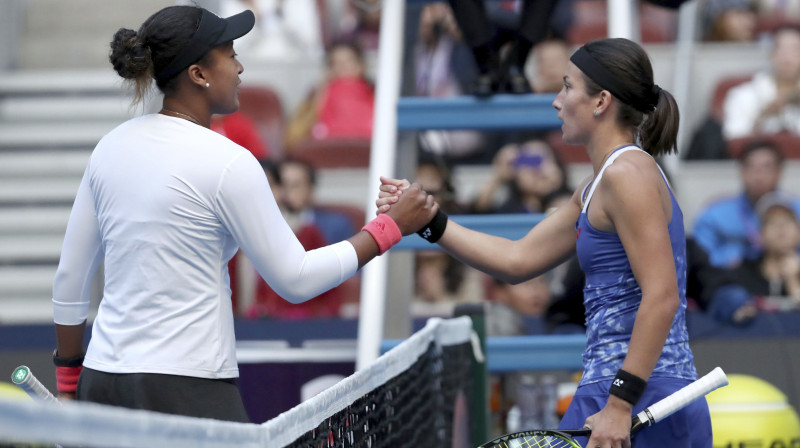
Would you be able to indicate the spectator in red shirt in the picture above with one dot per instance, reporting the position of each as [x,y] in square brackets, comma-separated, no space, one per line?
[342,106]
[241,130]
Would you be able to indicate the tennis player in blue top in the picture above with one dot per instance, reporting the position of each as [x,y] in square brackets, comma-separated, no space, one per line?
[627,229]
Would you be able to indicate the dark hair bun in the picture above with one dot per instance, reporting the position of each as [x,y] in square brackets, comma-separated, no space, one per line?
[130,58]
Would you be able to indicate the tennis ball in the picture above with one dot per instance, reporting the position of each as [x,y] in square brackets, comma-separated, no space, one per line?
[752,413]
[12,391]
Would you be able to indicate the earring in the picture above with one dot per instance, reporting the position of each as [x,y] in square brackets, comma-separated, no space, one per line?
[209,85]
[595,111]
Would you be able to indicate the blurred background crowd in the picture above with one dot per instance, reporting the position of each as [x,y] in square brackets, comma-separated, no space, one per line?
[307,106]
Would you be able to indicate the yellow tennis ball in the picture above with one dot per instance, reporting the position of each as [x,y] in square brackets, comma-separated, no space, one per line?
[752,413]
[12,391]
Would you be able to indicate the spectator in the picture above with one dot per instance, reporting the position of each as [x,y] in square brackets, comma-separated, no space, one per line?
[441,281]
[442,67]
[730,21]
[362,24]
[715,290]
[298,181]
[342,106]
[523,176]
[728,229]
[770,102]
[774,277]
[785,9]
[488,28]
[550,58]
[314,228]
[510,304]
[284,30]
[436,51]
[436,179]
[242,131]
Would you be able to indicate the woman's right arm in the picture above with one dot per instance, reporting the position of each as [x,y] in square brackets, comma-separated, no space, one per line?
[247,208]
[546,245]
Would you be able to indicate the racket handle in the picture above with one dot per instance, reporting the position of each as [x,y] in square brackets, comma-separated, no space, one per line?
[669,405]
[24,378]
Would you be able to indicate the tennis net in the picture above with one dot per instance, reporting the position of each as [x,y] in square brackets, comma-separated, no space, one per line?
[415,395]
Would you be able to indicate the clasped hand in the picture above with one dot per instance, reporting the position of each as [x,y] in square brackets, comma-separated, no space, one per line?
[406,203]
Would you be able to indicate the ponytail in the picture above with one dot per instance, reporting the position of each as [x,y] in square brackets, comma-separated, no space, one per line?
[658,133]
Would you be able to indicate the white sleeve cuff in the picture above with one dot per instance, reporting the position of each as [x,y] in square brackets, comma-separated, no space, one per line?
[70,313]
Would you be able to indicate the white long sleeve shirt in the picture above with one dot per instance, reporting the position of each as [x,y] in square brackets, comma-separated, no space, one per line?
[166,203]
[744,104]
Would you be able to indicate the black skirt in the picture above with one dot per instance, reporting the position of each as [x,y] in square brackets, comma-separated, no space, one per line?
[171,394]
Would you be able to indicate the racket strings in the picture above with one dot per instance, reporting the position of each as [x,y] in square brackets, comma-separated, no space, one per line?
[540,441]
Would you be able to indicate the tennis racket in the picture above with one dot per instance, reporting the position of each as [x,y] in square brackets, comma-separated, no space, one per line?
[650,416]
[23,377]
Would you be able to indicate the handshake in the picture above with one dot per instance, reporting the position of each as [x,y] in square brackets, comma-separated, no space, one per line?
[411,208]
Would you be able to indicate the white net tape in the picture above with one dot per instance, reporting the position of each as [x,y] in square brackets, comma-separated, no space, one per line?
[93,425]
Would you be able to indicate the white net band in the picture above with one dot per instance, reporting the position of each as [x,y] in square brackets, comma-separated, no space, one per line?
[89,424]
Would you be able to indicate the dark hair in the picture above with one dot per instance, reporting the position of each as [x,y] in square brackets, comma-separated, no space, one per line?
[657,132]
[271,168]
[137,56]
[347,44]
[758,145]
[311,172]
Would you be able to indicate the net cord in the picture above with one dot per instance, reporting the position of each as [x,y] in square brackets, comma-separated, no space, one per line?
[304,417]
[90,424]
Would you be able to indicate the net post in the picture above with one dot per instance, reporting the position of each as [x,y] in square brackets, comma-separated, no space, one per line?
[479,393]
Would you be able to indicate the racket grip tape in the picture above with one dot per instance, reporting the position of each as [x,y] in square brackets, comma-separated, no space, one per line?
[24,378]
[669,405]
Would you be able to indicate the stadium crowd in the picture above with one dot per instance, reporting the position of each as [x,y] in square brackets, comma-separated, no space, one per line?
[736,269]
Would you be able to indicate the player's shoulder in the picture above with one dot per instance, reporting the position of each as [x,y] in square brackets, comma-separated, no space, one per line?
[631,169]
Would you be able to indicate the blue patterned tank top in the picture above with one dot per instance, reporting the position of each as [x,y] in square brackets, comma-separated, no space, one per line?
[612,297]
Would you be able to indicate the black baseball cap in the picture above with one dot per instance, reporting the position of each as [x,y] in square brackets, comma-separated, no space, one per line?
[211,31]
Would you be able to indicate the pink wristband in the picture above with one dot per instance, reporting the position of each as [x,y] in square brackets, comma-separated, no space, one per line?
[385,232]
[67,378]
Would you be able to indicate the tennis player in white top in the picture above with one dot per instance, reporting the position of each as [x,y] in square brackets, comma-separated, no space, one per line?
[165,203]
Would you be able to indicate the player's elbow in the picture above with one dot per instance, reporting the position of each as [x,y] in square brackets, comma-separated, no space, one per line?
[295,293]
[299,289]
[667,302]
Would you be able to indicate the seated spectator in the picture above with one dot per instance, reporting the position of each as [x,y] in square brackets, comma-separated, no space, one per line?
[716,291]
[436,179]
[443,67]
[550,59]
[284,30]
[314,228]
[509,305]
[770,102]
[298,181]
[784,9]
[523,175]
[242,131]
[728,228]
[342,106]
[730,21]
[361,24]
[713,290]
[488,28]
[441,281]
[774,277]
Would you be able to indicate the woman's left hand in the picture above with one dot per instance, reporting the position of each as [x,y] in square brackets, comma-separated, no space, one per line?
[611,427]
[390,191]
